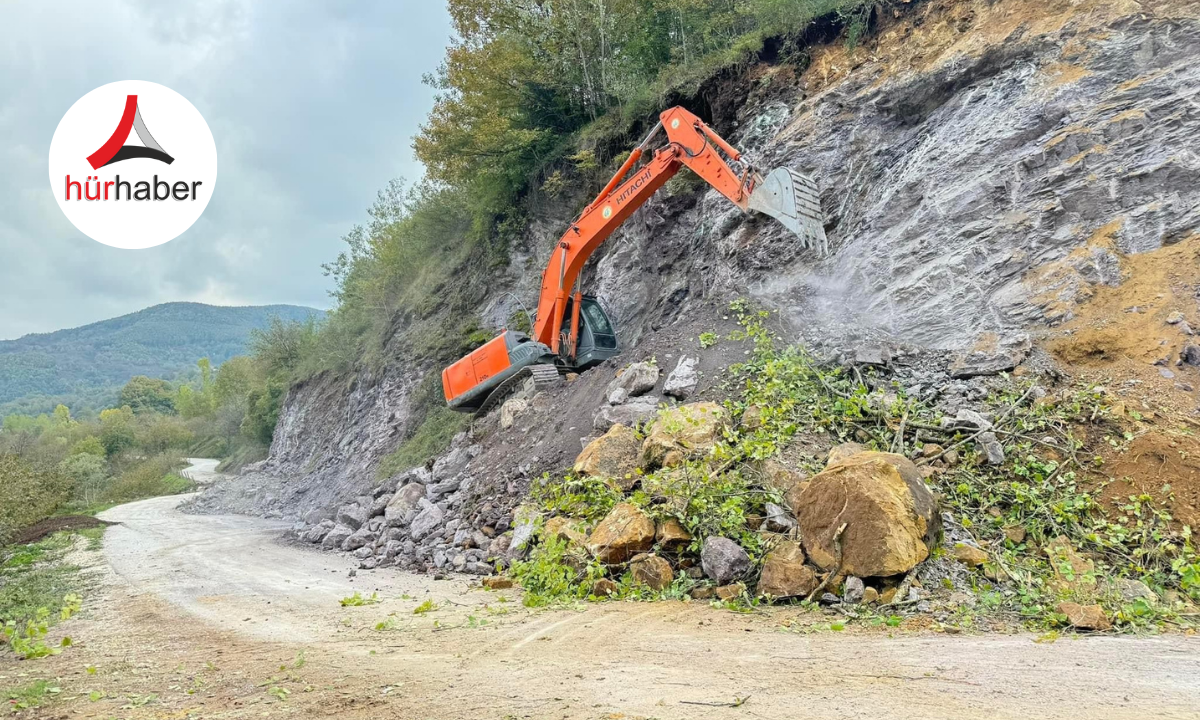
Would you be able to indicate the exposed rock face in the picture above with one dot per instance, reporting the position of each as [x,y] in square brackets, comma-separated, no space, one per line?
[682,432]
[784,573]
[614,455]
[623,533]
[890,519]
[723,560]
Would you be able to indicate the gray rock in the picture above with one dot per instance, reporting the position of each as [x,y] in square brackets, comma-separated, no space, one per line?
[991,447]
[852,590]
[991,355]
[509,411]
[380,504]
[451,464]
[1132,590]
[778,519]
[369,564]
[316,534]
[438,490]
[392,548]
[1166,373]
[1190,355]
[358,538]
[1175,318]
[316,516]
[524,524]
[403,505]
[682,381]
[336,536]
[878,355]
[723,560]
[427,520]
[478,568]
[617,396]
[637,379]
[352,515]
[363,552]
[632,413]
[968,418]
[498,547]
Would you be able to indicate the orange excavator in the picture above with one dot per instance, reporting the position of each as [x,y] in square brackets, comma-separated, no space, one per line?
[571,331]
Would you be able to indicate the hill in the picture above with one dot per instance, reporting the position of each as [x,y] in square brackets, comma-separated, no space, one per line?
[84,367]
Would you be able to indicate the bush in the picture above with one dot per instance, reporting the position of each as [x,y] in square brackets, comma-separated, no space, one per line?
[28,494]
[155,476]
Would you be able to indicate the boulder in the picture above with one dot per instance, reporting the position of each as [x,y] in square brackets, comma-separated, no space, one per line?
[1072,571]
[891,518]
[853,590]
[316,534]
[353,515]
[525,522]
[604,587]
[633,413]
[1190,355]
[991,355]
[686,431]
[358,539]
[682,381]
[729,592]
[617,396]
[969,554]
[778,520]
[752,418]
[652,571]
[496,582]
[784,573]
[671,535]
[1133,590]
[510,410]
[838,453]
[637,379]
[991,448]
[565,529]
[626,531]
[779,477]
[1085,617]
[614,455]
[723,560]
[336,536]
[402,507]
[379,505]
[428,519]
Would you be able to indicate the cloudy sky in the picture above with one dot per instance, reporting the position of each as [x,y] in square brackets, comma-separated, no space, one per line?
[312,104]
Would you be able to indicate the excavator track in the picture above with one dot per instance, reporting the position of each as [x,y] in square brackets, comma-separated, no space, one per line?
[544,376]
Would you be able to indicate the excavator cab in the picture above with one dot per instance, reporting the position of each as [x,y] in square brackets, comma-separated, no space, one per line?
[597,338]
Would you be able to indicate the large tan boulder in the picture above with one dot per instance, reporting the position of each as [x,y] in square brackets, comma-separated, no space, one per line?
[683,432]
[624,532]
[652,571]
[565,529]
[672,535]
[614,456]
[891,518]
[784,573]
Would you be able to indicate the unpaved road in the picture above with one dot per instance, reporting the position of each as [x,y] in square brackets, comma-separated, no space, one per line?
[214,617]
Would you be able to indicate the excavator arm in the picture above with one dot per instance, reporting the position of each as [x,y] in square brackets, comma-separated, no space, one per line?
[785,195]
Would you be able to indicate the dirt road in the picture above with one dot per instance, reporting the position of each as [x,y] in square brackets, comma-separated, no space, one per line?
[213,617]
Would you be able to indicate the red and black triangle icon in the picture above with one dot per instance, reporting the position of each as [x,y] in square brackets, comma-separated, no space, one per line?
[115,150]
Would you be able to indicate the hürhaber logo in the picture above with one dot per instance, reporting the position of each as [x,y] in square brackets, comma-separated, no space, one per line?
[133,164]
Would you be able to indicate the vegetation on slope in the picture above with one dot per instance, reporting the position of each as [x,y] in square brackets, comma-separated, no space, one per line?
[84,367]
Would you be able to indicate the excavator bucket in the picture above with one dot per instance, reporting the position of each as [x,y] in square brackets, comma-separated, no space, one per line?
[793,200]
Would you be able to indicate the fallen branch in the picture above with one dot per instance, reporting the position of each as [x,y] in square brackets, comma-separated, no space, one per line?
[837,565]
[737,702]
[1011,409]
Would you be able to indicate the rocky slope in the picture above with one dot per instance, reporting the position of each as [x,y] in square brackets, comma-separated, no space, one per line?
[969,155]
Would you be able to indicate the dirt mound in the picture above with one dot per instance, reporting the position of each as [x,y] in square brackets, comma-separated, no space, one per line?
[1164,467]
[49,526]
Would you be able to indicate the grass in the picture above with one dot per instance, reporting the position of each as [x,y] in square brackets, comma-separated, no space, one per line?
[33,695]
[38,590]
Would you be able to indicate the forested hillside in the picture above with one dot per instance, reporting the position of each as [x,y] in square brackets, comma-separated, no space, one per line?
[85,367]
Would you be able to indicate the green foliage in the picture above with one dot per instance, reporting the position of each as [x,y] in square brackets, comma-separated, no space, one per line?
[37,590]
[433,432]
[28,493]
[555,573]
[153,477]
[586,497]
[34,695]
[358,600]
[142,394]
[708,339]
[425,607]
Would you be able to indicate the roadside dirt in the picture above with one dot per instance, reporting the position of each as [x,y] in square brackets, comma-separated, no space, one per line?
[212,617]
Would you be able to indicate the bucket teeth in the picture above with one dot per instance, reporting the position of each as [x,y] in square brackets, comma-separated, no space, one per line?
[793,200]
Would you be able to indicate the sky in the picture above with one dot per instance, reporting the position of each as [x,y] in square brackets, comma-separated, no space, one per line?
[312,103]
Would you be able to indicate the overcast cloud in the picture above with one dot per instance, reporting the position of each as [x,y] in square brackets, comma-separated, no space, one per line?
[312,104]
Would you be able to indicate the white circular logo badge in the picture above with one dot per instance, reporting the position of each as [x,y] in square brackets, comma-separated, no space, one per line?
[133,164]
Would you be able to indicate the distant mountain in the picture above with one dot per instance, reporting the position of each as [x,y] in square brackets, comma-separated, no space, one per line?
[84,367]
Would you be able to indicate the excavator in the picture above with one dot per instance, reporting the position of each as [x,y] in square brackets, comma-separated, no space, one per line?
[571,330]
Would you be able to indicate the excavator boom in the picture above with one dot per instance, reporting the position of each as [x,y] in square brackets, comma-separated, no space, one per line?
[786,195]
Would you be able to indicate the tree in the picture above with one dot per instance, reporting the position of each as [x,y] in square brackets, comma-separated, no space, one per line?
[142,394]
[89,445]
[116,429]
[88,474]
[62,415]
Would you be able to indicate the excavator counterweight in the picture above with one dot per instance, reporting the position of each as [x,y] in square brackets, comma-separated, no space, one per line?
[571,331]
